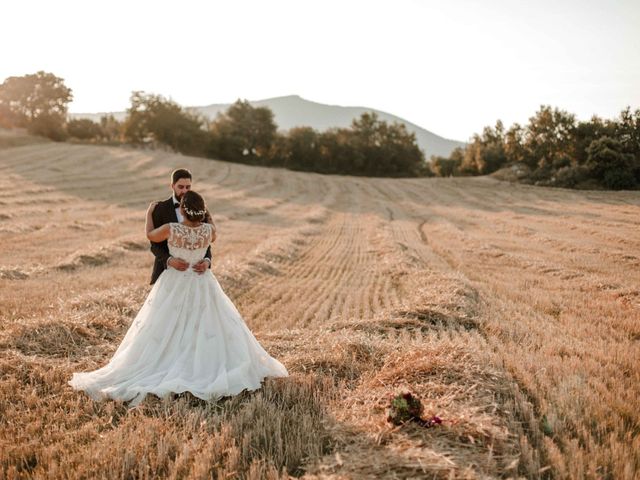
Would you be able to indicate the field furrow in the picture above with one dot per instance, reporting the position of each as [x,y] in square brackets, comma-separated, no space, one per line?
[512,311]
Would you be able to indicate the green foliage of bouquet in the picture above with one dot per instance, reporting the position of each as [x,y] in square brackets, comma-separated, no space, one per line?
[406,407]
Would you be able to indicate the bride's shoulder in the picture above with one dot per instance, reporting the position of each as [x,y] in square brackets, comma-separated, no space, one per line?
[174,226]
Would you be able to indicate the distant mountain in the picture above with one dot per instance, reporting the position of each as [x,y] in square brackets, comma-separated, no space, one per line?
[294,111]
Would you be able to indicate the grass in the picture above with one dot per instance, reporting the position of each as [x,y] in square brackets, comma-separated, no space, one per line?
[511,311]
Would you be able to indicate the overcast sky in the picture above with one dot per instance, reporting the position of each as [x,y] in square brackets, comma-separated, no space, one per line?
[451,67]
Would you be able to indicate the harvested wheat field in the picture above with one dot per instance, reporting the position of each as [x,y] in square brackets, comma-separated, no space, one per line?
[511,311]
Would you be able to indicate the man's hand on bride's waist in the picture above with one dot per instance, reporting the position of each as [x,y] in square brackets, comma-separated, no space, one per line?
[202,266]
[178,263]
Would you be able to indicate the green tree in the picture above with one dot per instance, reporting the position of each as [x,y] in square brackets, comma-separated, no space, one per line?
[485,153]
[302,150]
[608,162]
[457,157]
[83,129]
[587,132]
[111,128]
[626,129]
[548,138]
[444,166]
[243,133]
[384,149]
[514,148]
[153,118]
[5,116]
[337,152]
[37,102]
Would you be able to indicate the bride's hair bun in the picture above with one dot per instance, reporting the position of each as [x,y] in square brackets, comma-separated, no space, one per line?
[194,206]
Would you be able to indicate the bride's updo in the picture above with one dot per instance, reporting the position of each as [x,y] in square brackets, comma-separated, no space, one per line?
[194,207]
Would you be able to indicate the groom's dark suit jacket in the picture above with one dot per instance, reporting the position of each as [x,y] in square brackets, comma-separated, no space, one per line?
[164,213]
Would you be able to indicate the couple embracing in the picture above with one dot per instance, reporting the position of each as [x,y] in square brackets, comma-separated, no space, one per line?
[188,335]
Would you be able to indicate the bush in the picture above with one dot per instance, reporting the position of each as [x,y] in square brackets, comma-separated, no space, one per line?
[83,129]
[445,167]
[50,126]
[619,179]
[571,177]
[111,129]
[302,150]
[608,163]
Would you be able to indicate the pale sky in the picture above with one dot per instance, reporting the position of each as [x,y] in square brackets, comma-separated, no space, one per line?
[451,67]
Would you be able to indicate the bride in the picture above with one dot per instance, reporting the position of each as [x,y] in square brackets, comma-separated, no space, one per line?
[188,335]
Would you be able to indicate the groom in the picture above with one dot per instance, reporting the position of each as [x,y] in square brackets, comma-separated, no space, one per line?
[169,211]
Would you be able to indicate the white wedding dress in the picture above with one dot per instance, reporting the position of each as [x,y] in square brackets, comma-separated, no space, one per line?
[188,336]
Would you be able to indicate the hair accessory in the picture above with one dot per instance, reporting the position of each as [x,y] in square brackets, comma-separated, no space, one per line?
[194,213]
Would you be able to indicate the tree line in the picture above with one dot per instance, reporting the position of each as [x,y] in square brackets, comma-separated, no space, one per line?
[242,133]
[553,149]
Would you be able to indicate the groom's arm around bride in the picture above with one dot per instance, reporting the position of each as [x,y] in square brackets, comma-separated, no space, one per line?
[164,212]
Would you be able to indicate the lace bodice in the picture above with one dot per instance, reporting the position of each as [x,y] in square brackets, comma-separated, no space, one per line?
[189,243]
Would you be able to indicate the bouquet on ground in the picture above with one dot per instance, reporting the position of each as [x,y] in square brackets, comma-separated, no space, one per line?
[406,407]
